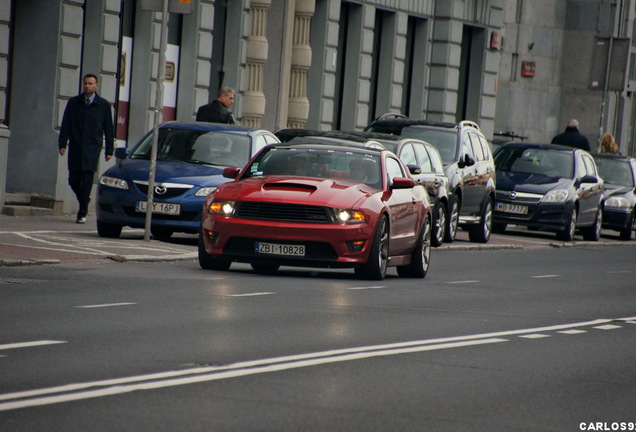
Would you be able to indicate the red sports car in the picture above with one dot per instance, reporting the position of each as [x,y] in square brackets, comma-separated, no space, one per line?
[319,205]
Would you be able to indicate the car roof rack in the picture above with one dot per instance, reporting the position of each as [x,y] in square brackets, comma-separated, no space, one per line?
[391,116]
[468,123]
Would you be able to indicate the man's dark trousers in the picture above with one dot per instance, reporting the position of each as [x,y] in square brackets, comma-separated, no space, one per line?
[82,183]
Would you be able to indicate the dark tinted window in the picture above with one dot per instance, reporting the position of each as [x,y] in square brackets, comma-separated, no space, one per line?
[445,140]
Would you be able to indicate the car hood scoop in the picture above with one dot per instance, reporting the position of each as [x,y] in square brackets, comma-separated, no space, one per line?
[289,186]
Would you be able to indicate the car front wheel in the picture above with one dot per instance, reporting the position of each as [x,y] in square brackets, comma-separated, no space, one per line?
[439,225]
[570,228]
[452,219]
[593,233]
[481,232]
[421,256]
[627,232]
[375,268]
[209,262]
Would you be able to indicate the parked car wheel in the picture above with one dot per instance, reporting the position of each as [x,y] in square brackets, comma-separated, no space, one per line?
[593,233]
[439,225]
[627,232]
[207,261]
[108,230]
[568,233]
[421,256]
[375,268]
[452,220]
[481,232]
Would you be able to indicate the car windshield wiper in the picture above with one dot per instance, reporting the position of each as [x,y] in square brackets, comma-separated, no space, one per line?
[196,161]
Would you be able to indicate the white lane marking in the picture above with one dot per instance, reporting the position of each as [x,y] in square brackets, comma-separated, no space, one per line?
[30,344]
[572,332]
[251,294]
[114,386]
[366,287]
[535,336]
[104,305]
[463,282]
[608,327]
[216,373]
[545,276]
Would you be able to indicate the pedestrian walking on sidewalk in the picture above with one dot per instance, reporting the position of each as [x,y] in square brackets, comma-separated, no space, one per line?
[87,121]
[572,137]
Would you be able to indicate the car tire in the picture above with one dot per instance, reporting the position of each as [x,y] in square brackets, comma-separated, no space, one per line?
[452,220]
[567,234]
[628,232]
[161,233]
[439,225]
[593,233]
[209,262]
[421,256]
[261,268]
[481,232]
[375,267]
[108,230]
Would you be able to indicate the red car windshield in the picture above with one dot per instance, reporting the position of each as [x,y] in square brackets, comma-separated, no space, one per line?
[360,167]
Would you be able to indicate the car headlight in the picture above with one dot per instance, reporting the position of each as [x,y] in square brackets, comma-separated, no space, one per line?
[555,196]
[349,216]
[204,191]
[223,208]
[113,182]
[617,202]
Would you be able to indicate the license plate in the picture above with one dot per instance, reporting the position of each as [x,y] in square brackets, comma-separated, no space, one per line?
[280,249]
[511,208]
[158,207]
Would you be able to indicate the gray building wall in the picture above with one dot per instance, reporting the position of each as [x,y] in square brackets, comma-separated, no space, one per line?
[430,58]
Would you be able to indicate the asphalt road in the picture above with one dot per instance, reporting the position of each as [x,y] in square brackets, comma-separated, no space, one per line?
[511,339]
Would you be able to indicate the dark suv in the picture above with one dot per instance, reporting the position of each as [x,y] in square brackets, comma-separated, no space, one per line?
[468,164]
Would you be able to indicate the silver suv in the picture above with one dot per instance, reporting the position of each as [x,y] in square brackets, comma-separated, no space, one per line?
[468,164]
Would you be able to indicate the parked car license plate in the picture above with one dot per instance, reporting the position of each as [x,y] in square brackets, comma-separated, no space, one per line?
[511,208]
[280,249]
[158,207]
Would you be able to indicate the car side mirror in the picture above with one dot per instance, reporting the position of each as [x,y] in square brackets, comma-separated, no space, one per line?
[414,169]
[231,172]
[121,152]
[466,161]
[589,179]
[402,183]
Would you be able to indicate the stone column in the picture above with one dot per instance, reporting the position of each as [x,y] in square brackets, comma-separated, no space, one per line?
[298,111]
[257,47]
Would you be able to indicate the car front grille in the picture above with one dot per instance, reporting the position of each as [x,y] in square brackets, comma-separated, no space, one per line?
[518,197]
[283,212]
[163,191]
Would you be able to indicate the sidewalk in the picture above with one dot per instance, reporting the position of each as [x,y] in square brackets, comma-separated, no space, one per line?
[34,240]
[37,240]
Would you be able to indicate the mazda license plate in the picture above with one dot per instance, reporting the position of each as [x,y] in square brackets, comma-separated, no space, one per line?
[160,208]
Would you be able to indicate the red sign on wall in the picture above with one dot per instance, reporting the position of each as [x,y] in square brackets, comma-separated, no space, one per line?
[527,68]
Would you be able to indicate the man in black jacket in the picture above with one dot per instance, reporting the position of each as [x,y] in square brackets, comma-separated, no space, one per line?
[572,137]
[87,120]
[217,111]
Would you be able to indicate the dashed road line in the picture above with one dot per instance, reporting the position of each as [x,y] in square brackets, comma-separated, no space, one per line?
[115,386]
[105,305]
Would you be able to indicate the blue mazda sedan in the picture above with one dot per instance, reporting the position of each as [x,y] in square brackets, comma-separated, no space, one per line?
[191,157]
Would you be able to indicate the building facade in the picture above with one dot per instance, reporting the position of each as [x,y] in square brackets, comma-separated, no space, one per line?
[319,64]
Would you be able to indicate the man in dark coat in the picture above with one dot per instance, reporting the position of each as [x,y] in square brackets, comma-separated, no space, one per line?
[217,111]
[572,137]
[87,121]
